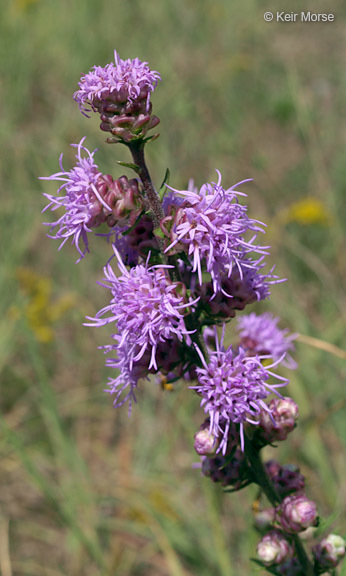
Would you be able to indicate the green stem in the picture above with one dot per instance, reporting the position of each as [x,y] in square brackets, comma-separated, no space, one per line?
[303,558]
[262,479]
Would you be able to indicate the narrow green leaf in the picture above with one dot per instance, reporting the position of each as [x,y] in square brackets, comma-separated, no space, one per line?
[165,181]
[325,524]
[150,138]
[158,232]
[130,165]
[134,226]
[267,568]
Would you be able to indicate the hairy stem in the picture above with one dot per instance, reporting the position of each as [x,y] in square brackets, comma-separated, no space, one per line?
[137,151]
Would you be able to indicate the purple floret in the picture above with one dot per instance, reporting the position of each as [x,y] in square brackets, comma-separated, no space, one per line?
[145,307]
[241,288]
[211,227]
[252,285]
[124,385]
[233,387]
[260,335]
[81,202]
[124,81]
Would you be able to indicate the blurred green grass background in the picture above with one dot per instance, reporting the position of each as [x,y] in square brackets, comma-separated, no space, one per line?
[85,490]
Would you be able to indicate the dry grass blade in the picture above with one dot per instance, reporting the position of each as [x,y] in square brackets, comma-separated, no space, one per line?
[5,560]
[322,345]
[30,568]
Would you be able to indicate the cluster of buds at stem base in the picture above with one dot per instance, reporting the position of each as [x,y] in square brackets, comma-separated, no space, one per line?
[286,479]
[138,241]
[232,470]
[121,201]
[128,121]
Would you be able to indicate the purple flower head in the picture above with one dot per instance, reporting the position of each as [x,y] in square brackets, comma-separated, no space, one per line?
[125,81]
[124,385]
[244,286]
[145,306]
[211,226]
[249,285]
[170,199]
[82,202]
[133,366]
[260,334]
[233,387]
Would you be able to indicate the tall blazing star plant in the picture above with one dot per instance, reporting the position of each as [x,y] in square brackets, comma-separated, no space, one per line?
[184,263]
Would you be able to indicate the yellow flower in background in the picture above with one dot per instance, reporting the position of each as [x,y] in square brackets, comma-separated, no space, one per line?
[158,501]
[40,310]
[23,5]
[307,211]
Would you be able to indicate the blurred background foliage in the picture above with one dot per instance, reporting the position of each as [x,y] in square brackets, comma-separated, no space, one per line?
[85,490]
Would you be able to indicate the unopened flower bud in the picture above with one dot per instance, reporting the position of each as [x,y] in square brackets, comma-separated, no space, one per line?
[229,471]
[273,548]
[136,241]
[263,519]
[237,291]
[170,355]
[128,128]
[276,424]
[206,443]
[123,199]
[286,479]
[329,552]
[296,513]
